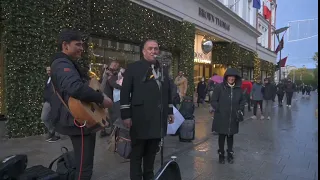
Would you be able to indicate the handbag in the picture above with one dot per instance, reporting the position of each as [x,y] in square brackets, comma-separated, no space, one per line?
[239,116]
[122,143]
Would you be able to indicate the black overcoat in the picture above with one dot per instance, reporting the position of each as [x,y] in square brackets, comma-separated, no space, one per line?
[140,100]
[226,101]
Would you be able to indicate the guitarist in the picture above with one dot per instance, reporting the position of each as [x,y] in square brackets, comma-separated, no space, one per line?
[69,81]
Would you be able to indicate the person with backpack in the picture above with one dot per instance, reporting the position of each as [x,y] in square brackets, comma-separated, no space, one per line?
[228,103]
[280,92]
[257,98]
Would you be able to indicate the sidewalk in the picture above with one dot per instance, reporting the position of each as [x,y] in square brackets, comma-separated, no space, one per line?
[107,165]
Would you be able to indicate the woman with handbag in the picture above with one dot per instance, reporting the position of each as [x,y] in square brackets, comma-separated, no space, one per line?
[228,104]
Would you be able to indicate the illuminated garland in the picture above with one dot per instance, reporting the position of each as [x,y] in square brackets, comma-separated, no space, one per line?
[231,54]
[31,28]
[256,67]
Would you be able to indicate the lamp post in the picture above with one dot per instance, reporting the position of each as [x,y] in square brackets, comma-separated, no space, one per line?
[277,33]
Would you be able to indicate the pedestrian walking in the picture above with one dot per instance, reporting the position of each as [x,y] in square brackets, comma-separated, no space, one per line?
[201,91]
[257,98]
[269,94]
[280,92]
[246,89]
[227,102]
[45,114]
[289,89]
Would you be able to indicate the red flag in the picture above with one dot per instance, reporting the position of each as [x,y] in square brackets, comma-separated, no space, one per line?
[283,61]
[281,44]
[267,9]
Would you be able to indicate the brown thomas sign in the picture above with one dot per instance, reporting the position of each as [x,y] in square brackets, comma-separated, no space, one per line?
[203,13]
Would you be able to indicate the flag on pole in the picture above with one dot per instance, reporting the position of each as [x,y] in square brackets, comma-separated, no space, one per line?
[257,4]
[283,61]
[267,9]
[281,44]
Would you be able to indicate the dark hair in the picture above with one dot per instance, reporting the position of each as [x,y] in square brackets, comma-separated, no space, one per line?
[68,35]
[214,74]
[148,40]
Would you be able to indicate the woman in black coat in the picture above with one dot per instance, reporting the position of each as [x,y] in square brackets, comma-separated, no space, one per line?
[227,102]
[201,91]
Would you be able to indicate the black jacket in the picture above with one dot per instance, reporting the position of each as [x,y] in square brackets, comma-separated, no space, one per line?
[110,85]
[69,81]
[48,91]
[290,87]
[201,90]
[280,89]
[140,101]
[268,91]
[226,102]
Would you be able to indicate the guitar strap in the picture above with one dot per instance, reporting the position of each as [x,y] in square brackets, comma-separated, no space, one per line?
[56,92]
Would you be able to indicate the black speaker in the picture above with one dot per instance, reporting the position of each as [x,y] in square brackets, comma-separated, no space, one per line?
[170,171]
[13,166]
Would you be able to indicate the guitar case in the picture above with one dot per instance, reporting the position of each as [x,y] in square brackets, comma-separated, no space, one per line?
[170,171]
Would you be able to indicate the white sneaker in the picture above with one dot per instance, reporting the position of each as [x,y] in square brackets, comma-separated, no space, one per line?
[262,117]
[268,118]
[289,106]
[254,117]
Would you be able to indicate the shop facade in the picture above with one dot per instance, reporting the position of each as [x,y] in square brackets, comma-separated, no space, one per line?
[215,22]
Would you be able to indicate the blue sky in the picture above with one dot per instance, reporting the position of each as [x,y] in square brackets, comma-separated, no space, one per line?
[299,51]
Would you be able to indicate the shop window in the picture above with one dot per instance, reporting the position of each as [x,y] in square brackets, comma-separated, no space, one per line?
[103,51]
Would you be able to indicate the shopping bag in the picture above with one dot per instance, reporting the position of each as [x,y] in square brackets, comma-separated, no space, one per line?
[178,120]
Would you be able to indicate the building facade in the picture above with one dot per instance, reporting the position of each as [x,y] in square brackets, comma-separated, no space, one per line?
[116,29]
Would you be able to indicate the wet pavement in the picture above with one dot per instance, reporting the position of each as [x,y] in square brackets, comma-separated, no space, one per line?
[283,148]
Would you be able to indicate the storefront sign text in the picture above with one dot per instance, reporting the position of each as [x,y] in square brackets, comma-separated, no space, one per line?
[202,58]
[213,19]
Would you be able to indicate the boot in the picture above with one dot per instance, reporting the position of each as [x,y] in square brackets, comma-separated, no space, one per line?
[230,157]
[221,157]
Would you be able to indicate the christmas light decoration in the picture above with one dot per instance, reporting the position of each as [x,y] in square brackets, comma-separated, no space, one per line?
[256,67]
[30,31]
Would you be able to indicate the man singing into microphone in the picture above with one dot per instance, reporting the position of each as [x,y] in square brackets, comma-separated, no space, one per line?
[141,109]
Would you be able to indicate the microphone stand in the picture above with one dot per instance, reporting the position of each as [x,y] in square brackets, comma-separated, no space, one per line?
[161,114]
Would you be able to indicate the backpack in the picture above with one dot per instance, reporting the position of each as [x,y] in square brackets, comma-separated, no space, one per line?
[66,167]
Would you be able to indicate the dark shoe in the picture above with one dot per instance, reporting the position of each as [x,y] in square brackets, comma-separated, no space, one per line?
[230,157]
[54,139]
[49,136]
[221,157]
[103,133]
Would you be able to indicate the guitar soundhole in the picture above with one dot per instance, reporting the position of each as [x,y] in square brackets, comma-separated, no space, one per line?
[104,122]
[92,108]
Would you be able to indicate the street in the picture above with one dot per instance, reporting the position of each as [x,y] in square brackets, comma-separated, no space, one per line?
[283,148]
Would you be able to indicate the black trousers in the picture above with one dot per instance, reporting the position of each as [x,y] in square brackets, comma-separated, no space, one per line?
[143,150]
[289,97]
[255,106]
[221,141]
[280,98]
[89,143]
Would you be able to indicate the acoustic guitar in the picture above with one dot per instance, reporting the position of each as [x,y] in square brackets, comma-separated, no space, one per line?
[90,115]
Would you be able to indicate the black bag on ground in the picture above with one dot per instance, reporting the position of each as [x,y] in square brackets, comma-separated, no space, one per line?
[66,167]
[170,171]
[187,108]
[187,130]
[39,173]
[13,166]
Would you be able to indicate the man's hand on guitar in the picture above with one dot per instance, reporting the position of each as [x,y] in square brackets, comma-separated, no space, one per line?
[107,102]
[127,123]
